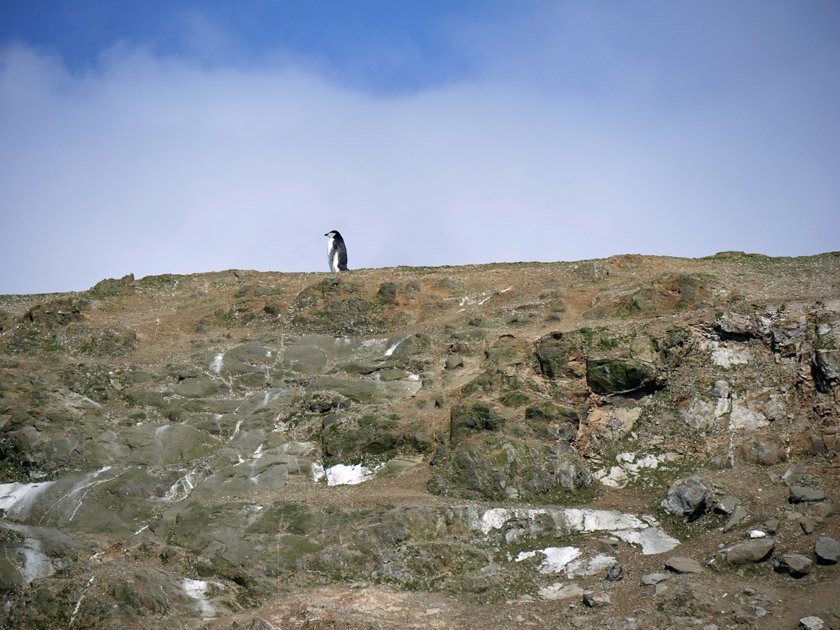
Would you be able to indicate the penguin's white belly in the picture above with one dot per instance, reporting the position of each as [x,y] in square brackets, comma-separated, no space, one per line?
[332,253]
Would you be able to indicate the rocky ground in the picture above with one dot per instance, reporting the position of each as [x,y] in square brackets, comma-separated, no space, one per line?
[636,442]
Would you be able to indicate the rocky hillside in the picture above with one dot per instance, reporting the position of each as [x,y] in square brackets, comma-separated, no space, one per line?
[636,442]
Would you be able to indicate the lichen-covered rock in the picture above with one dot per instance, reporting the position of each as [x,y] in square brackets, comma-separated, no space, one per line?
[117,341]
[553,355]
[338,307]
[370,437]
[366,391]
[496,467]
[199,387]
[466,419]
[618,376]
[150,444]
[54,314]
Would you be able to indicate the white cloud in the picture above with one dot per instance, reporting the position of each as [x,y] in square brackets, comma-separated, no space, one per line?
[149,165]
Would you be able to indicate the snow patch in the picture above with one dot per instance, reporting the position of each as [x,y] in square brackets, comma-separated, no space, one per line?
[17,498]
[342,475]
[317,472]
[628,468]
[643,531]
[216,364]
[589,566]
[197,590]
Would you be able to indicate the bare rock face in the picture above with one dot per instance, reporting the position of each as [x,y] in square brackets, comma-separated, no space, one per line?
[619,376]
[423,447]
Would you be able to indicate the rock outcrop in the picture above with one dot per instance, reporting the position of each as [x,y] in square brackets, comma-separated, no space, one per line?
[443,448]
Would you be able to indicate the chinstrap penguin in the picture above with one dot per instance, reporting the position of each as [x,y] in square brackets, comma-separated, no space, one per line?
[337,251]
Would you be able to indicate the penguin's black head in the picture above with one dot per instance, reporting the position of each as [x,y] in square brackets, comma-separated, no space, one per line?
[333,234]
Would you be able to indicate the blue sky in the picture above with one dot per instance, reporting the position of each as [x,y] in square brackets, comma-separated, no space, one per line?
[175,137]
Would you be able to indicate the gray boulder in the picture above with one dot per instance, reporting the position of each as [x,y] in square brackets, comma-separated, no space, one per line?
[687,498]
[794,564]
[827,550]
[750,552]
[803,494]
[679,564]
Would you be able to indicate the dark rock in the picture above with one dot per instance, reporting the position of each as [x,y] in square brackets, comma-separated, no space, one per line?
[795,474]
[515,399]
[54,314]
[410,346]
[337,307]
[615,573]
[750,552]
[370,436]
[112,342]
[305,357]
[618,376]
[597,312]
[803,494]
[687,498]
[679,564]
[795,564]
[825,368]
[365,392]
[827,550]
[731,325]
[199,387]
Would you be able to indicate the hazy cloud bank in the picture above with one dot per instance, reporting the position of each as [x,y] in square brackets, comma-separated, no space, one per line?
[151,164]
